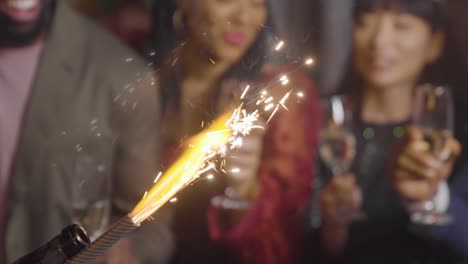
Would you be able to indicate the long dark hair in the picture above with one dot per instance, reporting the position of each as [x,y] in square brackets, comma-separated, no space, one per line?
[431,11]
[164,39]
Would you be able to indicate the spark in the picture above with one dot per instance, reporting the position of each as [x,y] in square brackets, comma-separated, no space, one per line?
[309,61]
[269,100]
[197,160]
[261,100]
[279,46]
[209,167]
[238,142]
[223,165]
[300,94]
[246,89]
[241,123]
[174,62]
[269,107]
[207,152]
[212,61]
[157,177]
[284,80]
[283,100]
[273,114]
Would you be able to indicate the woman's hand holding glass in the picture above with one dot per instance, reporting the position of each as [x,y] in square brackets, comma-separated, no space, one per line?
[340,201]
[341,198]
[425,161]
[340,204]
[417,173]
[242,166]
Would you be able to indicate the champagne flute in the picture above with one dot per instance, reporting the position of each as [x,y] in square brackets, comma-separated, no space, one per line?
[91,195]
[337,142]
[434,114]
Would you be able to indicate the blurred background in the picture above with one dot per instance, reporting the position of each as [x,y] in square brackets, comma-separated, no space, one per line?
[318,28]
[356,70]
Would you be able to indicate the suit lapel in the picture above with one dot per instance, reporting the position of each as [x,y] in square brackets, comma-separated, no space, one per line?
[56,80]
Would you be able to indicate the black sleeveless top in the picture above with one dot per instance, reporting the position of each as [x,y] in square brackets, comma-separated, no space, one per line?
[386,235]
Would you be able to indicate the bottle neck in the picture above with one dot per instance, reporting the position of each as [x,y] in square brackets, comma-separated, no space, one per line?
[73,239]
[60,249]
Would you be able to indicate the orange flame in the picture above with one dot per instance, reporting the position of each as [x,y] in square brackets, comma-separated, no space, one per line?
[185,170]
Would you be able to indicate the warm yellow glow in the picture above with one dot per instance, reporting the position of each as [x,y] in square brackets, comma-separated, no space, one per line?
[309,61]
[186,169]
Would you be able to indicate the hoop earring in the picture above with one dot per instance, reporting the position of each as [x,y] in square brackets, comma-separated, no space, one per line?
[178,22]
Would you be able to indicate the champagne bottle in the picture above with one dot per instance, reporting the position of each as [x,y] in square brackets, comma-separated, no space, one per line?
[61,248]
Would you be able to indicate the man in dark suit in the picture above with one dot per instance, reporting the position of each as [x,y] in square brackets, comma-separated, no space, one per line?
[61,78]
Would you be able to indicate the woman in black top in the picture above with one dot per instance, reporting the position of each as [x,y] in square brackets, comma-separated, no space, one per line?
[396,45]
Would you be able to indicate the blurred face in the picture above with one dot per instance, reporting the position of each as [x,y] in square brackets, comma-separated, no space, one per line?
[392,48]
[225,29]
[21,21]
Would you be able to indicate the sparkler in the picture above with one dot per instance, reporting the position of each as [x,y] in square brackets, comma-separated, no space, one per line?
[186,169]
[197,159]
[226,132]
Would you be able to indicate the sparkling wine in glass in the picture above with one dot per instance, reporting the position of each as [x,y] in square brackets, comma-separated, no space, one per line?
[337,142]
[434,114]
[337,149]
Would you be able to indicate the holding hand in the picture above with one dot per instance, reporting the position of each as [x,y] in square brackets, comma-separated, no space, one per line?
[340,201]
[416,171]
[243,163]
